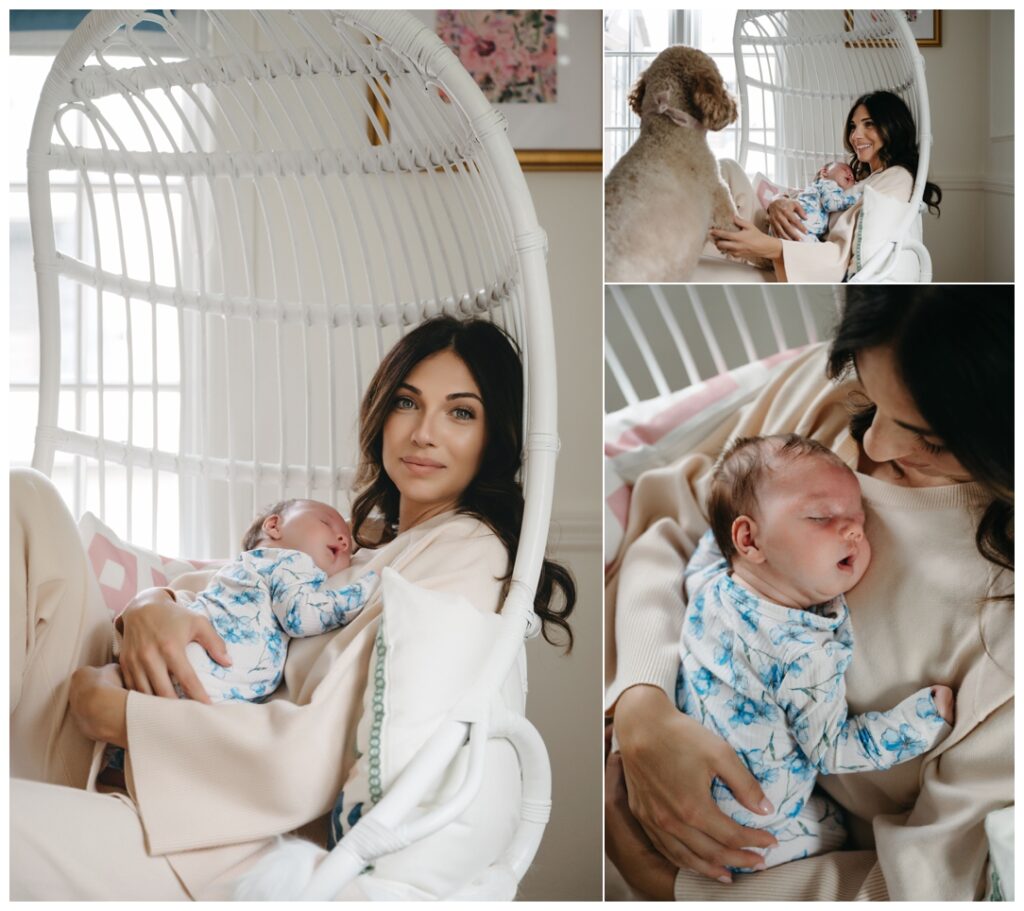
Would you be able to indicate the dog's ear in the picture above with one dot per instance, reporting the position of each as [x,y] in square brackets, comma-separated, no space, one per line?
[716,107]
[636,94]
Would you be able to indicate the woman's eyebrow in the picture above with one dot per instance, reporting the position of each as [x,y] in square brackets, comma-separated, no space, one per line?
[464,395]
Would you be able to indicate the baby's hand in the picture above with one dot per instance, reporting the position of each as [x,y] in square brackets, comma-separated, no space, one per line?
[943,697]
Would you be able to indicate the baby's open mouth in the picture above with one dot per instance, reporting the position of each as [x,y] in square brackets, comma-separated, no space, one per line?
[846,562]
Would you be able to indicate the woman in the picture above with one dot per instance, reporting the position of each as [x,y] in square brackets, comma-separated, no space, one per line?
[881,138]
[931,435]
[441,444]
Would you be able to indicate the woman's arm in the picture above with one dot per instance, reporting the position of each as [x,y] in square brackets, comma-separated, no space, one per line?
[669,761]
[786,217]
[628,847]
[155,630]
[748,242]
[97,699]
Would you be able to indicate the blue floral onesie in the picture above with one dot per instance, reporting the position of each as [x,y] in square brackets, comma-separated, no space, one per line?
[821,198]
[255,604]
[769,680]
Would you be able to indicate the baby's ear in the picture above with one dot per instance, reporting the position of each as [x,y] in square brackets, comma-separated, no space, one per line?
[744,539]
[272,527]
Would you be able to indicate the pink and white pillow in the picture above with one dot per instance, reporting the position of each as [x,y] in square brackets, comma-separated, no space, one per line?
[123,570]
[661,430]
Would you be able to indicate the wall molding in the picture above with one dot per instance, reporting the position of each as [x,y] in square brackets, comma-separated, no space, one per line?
[572,532]
[974,184]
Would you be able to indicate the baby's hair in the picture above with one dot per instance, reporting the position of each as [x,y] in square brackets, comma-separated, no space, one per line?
[251,539]
[739,472]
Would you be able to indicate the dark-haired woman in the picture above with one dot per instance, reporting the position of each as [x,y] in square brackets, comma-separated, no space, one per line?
[438,501]
[881,138]
[928,373]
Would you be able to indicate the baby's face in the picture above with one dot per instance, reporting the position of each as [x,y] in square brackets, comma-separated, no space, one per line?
[810,529]
[841,173]
[318,530]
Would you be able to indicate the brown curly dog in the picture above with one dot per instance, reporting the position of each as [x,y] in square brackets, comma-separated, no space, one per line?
[665,193]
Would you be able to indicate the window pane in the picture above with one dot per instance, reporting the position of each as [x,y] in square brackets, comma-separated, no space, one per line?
[27,73]
[650,30]
[716,30]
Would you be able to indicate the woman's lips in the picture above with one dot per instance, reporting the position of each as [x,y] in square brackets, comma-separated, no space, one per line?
[421,466]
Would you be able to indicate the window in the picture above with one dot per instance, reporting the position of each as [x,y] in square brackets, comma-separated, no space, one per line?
[633,38]
[140,400]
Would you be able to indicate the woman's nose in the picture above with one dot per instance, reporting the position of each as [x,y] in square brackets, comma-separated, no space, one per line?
[883,443]
[423,432]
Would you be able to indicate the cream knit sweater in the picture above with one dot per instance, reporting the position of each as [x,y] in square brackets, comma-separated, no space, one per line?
[919,618]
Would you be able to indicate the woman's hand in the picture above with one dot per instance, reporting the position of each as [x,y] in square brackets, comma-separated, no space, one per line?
[669,761]
[786,217]
[156,630]
[640,864]
[97,700]
[748,242]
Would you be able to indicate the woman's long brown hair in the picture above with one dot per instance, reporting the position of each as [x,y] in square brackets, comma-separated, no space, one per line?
[494,496]
[953,346]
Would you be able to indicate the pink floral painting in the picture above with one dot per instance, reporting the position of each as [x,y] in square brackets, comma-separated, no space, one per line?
[512,54]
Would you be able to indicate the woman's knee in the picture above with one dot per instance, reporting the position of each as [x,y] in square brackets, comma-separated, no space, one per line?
[32,493]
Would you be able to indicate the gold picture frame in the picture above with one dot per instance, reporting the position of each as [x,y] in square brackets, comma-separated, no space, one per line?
[927,30]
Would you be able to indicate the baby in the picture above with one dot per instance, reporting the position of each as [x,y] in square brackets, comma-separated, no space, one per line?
[833,190]
[274,590]
[767,638]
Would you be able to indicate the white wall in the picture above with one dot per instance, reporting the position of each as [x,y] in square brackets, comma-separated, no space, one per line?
[970,87]
[565,692]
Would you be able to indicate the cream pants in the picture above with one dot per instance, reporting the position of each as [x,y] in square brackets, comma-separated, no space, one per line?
[67,843]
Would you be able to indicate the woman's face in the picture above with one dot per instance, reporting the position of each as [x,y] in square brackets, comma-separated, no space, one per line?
[865,138]
[434,437]
[898,433]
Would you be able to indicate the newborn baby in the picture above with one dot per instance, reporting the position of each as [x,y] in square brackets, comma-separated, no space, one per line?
[767,638]
[274,590]
[833,190]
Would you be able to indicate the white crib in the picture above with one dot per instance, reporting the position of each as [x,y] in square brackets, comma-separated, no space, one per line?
[266,201]
[798,74]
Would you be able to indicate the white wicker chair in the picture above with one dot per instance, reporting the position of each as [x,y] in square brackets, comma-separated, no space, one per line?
[661,338]
[798,74]
[323,180]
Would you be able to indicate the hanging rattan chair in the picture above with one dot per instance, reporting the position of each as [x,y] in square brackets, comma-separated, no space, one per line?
[799,73]
[266,202]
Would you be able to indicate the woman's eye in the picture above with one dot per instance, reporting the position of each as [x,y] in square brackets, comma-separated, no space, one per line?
[463,414]
[932,448]
[403,403]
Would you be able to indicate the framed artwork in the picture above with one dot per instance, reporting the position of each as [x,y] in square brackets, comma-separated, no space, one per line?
[542,70]
[925,25]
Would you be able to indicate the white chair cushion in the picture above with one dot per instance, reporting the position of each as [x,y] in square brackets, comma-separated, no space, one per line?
[877,226]
[429,650]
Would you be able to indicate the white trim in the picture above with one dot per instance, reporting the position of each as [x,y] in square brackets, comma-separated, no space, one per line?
[572,532]
[974,184]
